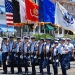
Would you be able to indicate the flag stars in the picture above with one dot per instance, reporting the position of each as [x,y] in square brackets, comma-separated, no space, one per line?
[8,6]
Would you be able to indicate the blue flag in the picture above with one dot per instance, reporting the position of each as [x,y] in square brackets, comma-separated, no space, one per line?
[46,11]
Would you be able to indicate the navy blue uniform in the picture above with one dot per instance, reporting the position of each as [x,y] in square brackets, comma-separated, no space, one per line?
[41,57]
[63,57]
[26,56]
[18,51]
[11,55]
[4,56]
[33,52]
[48,53]
[69,55]
[55,60]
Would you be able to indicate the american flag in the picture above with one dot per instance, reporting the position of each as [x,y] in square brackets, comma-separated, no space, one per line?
[9,12]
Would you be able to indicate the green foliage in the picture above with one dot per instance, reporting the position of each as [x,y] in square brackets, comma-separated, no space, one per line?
[69,36]
[42,36]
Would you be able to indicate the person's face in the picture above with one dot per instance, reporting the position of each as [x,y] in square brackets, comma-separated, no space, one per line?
[26,40]
[33,40]
[63,41]
[11,39]
[68,41]
[48,41]
[4,41]
[41,41]
[18,40]
[56,44]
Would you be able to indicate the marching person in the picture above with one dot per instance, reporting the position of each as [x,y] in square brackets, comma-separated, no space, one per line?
[63,51]
[55,57]
[18,54]
[11,52]
[48,54]
[41,54]
[33,53]
[26,54]
[4,54]
[70,53]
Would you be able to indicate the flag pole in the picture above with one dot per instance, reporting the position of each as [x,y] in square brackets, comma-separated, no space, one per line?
[45,30]
[66,36]
[28,30]
[38,30]
[58,31]
[21,31]
[73,36]
[7,32]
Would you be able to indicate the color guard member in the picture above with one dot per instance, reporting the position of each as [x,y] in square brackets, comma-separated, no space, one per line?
[26,54]
[55,57]
[33,53]
[41,54]
[11,52]
[63,51]
[48,54]
[18,53]
[71,52]
[4,54]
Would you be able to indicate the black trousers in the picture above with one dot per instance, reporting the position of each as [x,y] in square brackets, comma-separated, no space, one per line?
[55,65]
[18,62]
[4,57]
[11,57]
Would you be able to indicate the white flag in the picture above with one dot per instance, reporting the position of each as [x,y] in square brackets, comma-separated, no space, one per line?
[64,19]
[22,11]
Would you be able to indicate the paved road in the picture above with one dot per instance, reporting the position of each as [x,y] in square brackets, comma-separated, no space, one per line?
[69,72]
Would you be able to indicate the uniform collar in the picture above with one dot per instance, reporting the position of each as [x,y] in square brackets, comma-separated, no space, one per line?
[48,44]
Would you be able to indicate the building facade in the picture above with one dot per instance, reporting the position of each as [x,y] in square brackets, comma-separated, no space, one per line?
[68,4]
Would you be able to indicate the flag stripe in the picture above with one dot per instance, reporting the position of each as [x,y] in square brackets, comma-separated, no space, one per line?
[16,11]
[22,11]
[8,17]
[10,24]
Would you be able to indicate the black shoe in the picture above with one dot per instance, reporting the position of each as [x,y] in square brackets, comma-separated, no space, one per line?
[49,73]
[0,64]
[33,73]
[4,73]
[12,73]
[26,73]
[20,73]
[41,74]
[17,73]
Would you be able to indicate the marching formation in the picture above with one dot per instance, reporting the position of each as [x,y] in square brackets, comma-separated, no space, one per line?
[61,50]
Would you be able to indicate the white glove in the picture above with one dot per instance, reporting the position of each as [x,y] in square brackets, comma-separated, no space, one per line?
[31,55]
[28,57]
[46,57]
[57,60]
[13,50]
[50,58]
[7,57]
[21,56]
[14,55]
[35,57]
[53,60]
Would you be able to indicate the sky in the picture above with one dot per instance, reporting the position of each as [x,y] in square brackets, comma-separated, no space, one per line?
[73,0]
